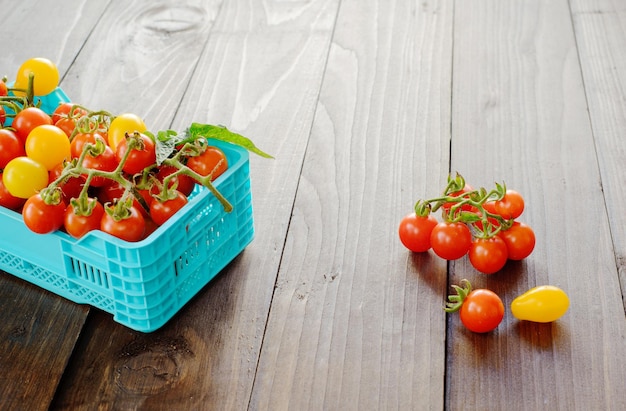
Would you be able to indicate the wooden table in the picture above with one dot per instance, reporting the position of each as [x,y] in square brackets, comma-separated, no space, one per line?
[367,106]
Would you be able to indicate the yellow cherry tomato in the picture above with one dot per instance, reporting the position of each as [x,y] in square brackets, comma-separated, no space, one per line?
[48,145]
[122,124]
[46,76]
[542,304]
[24,177]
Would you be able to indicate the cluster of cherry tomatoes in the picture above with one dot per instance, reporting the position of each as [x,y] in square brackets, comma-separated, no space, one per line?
[81,170]
[479,223]
[483,225]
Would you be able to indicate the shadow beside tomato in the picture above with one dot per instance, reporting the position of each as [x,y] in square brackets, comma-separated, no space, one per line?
[432,270]
[544,336]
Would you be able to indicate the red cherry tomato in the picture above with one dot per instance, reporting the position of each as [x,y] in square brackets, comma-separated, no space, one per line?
[28,119]
[519,240]
[511,205]
[109,192]
[139,157]
[71,187]
[184,183]
[63,111]
[161,211]
[104,162]
[67,125]
[131,228]
[10,147]
[79,141]
[79,225]
[7,200]
[212,160]
[488,255]
[490,207]
[450,240]
[482,311]
[43,218]
[414,232]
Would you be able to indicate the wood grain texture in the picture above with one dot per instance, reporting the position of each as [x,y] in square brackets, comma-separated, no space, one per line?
[600,29]
[520,115]
[245,84]
[356,321]
[140,57]
[43,29]
[366,105]
[37,337]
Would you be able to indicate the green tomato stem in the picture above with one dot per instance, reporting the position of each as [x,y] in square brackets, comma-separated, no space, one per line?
[490,224]
[204,180]
[455,301]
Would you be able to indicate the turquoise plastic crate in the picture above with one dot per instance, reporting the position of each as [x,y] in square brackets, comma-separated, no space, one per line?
[143,284]
[47,103]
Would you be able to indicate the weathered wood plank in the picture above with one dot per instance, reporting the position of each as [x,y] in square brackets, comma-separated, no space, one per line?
[520,115]
[601,37]
[37,337]
[140,58]
[34,29]
[39,329]
[243,82]
[356,321]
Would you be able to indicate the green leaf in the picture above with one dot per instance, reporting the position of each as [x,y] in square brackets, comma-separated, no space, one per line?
[165,143]
[223,134]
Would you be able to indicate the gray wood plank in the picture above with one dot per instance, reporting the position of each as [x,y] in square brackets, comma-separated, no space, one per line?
[600,29]
[140,57]
[45,29]
[243,82]
[520,115]
[356,320]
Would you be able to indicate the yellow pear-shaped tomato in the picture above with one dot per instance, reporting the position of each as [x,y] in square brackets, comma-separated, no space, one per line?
[122,124]
[542,304]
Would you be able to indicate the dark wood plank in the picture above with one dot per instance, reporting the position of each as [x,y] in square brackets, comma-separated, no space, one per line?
[520,115]
[37,336]
[356,320]
[39,329]
[601,40]
[214,343]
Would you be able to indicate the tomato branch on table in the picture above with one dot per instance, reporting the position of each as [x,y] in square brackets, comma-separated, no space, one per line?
[477,222]
[482,224]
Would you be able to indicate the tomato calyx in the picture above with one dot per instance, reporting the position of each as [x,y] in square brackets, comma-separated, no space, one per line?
[83,205]
[51,195]
[455,301]
[121,208]
[15,103]
[163,192]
